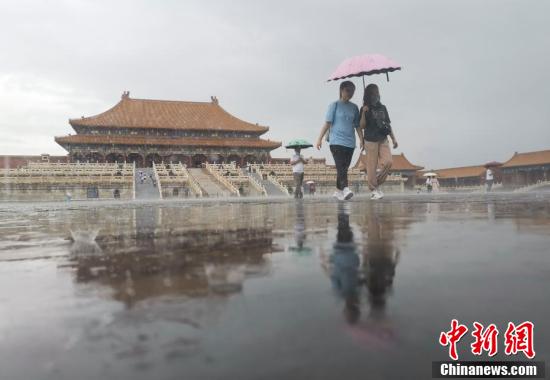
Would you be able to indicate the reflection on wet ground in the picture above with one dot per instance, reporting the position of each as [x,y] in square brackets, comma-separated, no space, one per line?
[256,289]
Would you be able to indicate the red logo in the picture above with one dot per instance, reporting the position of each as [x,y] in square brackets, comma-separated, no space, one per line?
[452,337]
[485,340]
[517,339]
[520,339]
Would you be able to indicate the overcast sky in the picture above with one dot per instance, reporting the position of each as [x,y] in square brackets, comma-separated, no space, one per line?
[475,84]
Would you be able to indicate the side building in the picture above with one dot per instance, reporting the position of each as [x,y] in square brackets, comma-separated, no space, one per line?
[401,166]
[146,131]
[525,169]
[460,177]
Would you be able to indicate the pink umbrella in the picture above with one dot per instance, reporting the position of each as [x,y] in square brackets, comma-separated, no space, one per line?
[367,64]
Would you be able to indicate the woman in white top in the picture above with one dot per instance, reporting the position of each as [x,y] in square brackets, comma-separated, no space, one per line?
[429,184]
[489,179]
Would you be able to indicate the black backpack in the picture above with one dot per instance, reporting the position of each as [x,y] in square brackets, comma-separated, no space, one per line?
[378,126]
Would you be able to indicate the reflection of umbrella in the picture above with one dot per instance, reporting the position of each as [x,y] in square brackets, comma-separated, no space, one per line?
[310,181]
[492,164]
[378,334]
[430,174]
[367,64]
[299,143]
[225,279]
[301,251]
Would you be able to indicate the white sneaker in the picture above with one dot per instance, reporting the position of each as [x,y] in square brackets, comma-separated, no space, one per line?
[375,195]
[347,193]
[338,195]
[380,193]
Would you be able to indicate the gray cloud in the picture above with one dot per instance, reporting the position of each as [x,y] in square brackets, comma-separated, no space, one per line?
[474,85]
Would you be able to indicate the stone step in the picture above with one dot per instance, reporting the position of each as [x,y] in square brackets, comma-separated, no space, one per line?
[252,190]
[146,190]
[270,188]
[208,183]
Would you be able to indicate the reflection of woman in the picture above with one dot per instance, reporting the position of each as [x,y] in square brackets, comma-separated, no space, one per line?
[379,261]
[345,264]
[300,226]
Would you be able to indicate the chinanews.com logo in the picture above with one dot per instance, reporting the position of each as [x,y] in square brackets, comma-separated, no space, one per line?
[518,340]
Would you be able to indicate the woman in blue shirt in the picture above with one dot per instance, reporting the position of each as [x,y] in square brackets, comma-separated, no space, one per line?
[342,122]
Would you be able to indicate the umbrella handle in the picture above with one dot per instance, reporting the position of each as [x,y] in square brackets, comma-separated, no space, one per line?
[387,76]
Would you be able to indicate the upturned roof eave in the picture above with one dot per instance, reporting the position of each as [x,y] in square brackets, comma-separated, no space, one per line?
[268,144]
[78,123]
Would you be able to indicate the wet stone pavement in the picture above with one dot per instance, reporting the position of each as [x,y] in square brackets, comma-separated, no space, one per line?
[266,289]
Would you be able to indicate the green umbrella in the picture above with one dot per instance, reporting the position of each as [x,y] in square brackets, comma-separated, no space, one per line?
[299,143]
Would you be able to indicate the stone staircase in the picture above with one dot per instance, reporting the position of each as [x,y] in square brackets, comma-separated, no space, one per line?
[252,190]
[146,190]
[208,184]
[271,189]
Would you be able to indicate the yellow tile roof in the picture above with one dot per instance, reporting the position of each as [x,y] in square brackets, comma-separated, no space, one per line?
[168,114]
